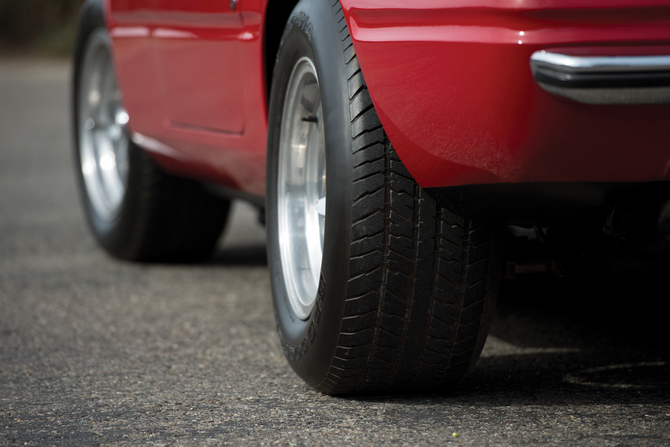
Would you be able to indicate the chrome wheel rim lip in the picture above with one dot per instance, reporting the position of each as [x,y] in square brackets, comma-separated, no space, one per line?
[102,127]
[301,191]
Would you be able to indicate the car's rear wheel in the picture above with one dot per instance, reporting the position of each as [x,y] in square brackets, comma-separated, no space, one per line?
[376,287]
[136,211]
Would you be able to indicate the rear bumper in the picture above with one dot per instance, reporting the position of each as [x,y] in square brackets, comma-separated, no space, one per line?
[456,94]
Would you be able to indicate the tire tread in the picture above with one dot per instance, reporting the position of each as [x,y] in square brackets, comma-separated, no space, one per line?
[180,221]
[422,280]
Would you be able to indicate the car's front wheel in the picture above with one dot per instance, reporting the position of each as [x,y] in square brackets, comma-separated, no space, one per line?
[135,210]
[376,287]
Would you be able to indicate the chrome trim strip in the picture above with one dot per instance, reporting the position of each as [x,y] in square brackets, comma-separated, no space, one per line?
[602,63]
[604,79]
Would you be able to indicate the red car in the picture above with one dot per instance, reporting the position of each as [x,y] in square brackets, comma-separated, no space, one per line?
[390,144]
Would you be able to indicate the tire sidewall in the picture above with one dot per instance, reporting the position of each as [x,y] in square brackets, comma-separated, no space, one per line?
[309,345]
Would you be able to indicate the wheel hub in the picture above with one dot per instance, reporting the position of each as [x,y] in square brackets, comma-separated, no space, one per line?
[302,187]
[103,136]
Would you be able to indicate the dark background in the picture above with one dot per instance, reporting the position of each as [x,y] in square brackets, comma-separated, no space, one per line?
[38,27]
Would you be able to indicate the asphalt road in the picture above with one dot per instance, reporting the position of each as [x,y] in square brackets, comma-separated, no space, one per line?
[94,351]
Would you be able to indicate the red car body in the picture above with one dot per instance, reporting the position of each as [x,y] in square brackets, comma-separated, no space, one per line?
[508,114]
[450,80]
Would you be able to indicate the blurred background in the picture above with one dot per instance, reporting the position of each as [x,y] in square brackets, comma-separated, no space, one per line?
[38,27]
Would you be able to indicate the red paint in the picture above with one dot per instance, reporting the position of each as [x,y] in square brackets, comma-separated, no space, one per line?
[452,84]
[192,77]
[450,80]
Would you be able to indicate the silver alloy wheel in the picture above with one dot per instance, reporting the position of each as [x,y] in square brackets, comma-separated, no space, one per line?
[302,187]
[103,137]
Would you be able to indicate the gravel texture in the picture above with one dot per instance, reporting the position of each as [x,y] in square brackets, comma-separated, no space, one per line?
[94,351]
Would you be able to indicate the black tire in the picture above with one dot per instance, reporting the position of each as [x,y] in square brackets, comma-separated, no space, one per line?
[160,217]
[407,288]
